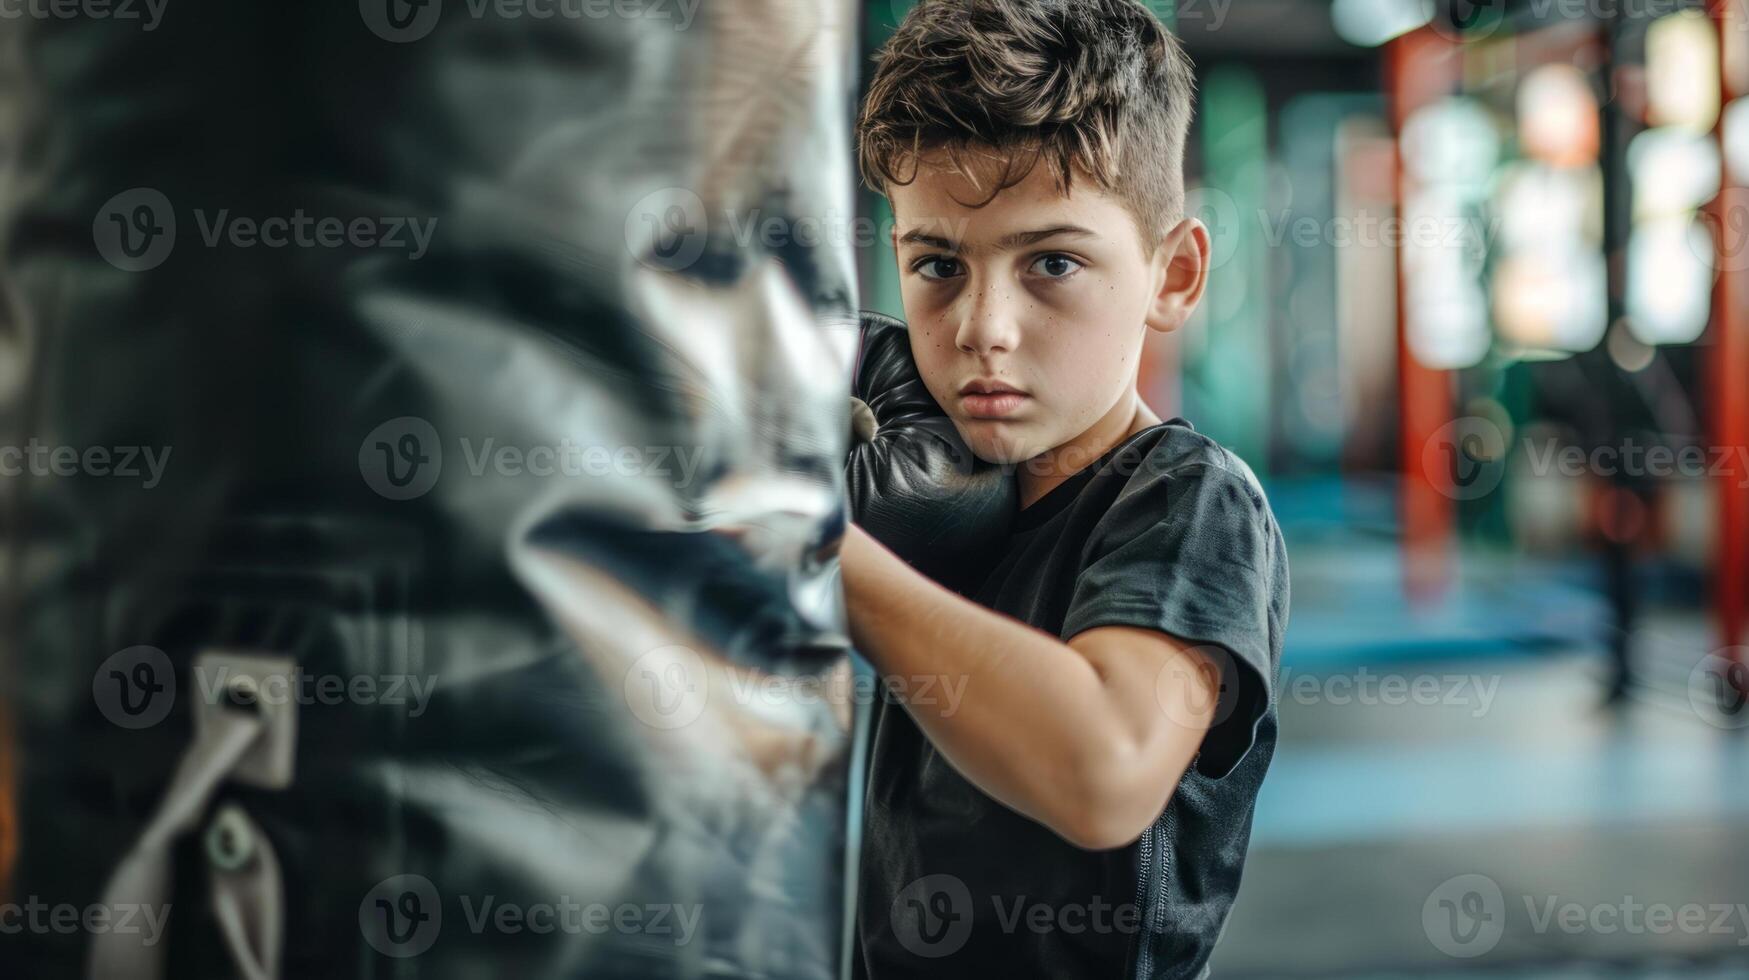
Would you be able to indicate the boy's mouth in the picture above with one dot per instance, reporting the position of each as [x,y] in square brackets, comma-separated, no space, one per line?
[991,399]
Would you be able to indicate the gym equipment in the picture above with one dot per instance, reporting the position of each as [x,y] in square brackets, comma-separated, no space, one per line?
[472,615]
[914,484]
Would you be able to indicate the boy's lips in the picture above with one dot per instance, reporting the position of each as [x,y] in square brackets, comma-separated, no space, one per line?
[991,399]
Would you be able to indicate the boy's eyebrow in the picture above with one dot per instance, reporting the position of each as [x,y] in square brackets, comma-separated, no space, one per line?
[1018,239]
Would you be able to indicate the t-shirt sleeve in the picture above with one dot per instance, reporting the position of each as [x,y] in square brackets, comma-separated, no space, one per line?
[1192,551]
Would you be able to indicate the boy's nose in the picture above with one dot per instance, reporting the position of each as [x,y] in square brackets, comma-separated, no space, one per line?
[990,323]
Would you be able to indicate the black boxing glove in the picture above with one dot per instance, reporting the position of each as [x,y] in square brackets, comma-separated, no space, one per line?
[914,484]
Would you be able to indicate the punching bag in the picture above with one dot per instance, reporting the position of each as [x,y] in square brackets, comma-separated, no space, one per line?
[421,430]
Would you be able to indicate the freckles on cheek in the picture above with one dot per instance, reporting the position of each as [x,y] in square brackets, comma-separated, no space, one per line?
[931,341]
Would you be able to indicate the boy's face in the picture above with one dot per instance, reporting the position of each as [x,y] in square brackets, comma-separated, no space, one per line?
[1045,295]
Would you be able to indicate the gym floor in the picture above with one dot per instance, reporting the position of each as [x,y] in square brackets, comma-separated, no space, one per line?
[1506,764]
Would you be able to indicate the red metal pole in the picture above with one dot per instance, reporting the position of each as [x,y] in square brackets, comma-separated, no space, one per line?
[1419,68]
[1728,214]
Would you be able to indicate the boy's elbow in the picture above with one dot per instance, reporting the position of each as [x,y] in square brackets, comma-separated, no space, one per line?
[1097,833]
[1109,811]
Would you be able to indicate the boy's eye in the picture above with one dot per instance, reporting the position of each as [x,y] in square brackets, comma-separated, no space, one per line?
[944,267]
[1055,266]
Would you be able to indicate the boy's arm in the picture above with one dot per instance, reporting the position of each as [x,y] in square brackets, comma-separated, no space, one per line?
[1089,738]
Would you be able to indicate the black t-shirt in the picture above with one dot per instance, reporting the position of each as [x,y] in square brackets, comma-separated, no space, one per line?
[1167,531]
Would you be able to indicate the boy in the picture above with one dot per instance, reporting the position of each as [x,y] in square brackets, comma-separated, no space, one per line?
[1083,807]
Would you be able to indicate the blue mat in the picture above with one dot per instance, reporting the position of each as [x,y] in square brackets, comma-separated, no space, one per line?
[1349,607]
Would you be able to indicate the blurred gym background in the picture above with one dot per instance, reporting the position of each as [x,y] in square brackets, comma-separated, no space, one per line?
[1480,320]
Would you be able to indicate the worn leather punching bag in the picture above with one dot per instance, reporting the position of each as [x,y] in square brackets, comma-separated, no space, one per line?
[421,430]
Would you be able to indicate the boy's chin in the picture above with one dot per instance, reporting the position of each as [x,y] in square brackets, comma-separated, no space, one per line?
[998,444]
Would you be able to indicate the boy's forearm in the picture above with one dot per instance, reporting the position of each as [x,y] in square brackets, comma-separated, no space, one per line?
[1035,727]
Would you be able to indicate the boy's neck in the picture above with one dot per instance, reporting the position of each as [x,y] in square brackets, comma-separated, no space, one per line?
[1045,472]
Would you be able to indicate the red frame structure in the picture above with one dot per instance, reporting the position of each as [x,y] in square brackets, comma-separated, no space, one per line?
[1420,68]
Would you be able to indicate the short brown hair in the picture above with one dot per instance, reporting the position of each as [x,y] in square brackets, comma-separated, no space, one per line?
[1095,84]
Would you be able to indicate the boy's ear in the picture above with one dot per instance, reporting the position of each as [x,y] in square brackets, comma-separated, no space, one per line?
[1182,265]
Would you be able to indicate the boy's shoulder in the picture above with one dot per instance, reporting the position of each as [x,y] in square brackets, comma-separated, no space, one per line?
[1172,456]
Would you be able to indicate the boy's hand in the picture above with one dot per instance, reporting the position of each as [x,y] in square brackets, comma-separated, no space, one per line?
[913,483]
[1089,738]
